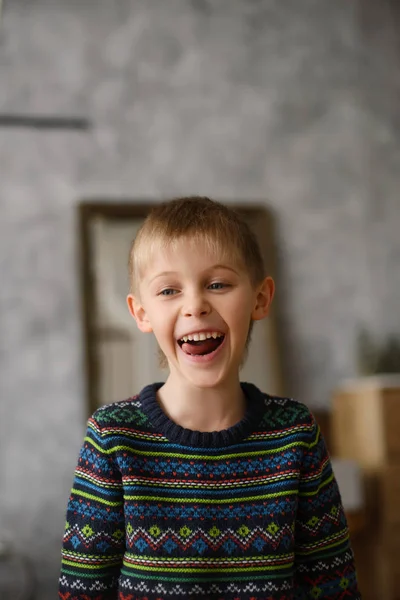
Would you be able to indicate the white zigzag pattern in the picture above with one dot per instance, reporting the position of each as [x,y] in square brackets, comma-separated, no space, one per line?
[121,404]
[276,400]
[177,590]
[81,586]
[338,561]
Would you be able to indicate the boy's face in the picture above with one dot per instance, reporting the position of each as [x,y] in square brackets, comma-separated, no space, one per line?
[189,291]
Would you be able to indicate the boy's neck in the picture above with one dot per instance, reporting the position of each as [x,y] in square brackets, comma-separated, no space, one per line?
[202,409]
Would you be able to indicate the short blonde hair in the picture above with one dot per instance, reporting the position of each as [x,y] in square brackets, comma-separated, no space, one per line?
[220,227]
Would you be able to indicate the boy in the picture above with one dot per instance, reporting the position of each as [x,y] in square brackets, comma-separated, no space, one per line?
[203,487]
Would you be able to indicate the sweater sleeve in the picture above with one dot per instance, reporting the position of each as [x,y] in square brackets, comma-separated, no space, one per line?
[324,561]
[94,538]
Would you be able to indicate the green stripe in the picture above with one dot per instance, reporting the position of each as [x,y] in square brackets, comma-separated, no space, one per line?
[212,500]
[234,559]
[315,442]
[218,457]
[204,500]
[87,575]
[91,497]
[184,579]
[106,565]
[321,485]
[324,555]
[214,569]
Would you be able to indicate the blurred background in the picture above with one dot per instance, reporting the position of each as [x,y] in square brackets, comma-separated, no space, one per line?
[291,105]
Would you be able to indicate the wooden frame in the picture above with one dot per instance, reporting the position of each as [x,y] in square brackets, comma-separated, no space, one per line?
[88,211]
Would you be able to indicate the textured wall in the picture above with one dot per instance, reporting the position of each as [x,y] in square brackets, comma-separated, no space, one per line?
[292,103]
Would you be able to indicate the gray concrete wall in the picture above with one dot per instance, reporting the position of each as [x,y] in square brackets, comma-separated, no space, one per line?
[292,103]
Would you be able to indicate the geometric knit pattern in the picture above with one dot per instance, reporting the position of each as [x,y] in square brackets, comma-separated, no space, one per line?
[158,512]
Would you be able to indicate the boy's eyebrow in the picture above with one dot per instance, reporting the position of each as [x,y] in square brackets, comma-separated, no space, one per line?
[162,274]
[224,267]
[167,273]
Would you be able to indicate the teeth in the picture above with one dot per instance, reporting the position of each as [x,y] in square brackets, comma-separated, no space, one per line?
[196,337]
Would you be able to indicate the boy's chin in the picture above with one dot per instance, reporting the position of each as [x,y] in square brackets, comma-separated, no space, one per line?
[206,383]
[205,379]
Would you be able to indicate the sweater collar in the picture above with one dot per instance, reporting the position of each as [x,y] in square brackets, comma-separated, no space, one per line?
[255,402]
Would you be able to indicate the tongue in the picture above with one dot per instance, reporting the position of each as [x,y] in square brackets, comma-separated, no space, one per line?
[202,347]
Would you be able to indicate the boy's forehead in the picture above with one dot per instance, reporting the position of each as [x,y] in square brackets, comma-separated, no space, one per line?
[198,251]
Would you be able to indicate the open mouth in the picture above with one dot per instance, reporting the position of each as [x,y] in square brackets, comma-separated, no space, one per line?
[201,344]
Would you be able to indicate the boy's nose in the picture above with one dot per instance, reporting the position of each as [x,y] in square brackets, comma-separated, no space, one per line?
[196,307]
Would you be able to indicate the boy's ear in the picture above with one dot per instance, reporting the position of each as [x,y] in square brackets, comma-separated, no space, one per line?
[265,294]
[138,313]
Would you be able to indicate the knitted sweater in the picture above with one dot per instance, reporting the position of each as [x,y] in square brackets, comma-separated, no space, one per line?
[158,512]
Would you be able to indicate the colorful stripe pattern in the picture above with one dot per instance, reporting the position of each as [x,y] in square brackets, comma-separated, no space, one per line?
[159,513]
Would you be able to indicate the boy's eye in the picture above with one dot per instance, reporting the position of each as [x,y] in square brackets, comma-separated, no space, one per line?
[167,292]
[217,285]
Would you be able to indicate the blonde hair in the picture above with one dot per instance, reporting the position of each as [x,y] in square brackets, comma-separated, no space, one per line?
[219,227]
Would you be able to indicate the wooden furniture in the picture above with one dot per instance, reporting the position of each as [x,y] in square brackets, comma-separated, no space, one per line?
[366,428]
[366,421]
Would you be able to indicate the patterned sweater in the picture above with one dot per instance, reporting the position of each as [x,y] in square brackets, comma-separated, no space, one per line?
[158,512]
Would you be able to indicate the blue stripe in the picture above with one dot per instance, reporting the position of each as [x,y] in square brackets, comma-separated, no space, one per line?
[83,483]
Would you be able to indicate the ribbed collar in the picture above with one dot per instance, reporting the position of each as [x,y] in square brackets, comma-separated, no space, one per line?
[215,439]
